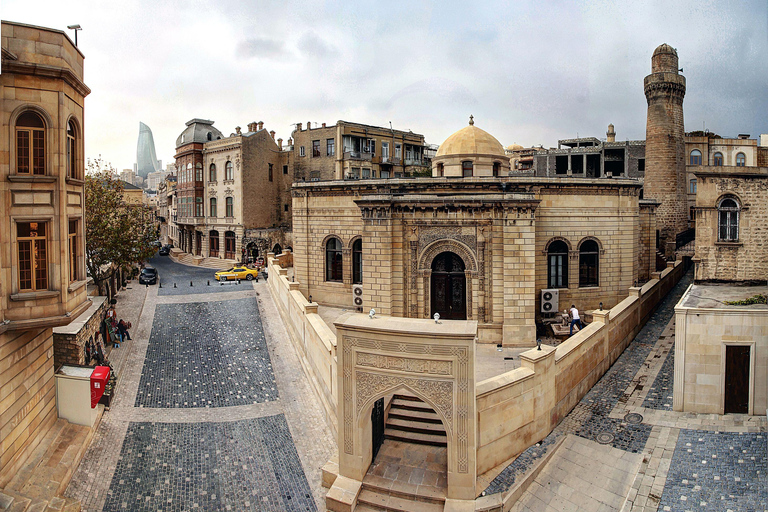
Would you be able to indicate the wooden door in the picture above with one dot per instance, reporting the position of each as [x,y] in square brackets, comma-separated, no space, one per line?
[448,293]
[737,379]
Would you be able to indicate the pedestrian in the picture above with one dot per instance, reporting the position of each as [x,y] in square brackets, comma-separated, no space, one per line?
[122,329]
[575,318]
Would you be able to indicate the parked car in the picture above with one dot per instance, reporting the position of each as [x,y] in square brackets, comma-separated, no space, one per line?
[165,250]
[237,273]
[157,243]
[148,276]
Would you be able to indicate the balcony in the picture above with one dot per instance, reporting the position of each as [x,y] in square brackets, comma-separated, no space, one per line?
[358,155]
[416,161]
[390,160]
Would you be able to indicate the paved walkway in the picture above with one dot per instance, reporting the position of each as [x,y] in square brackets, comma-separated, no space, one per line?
[689,461]
[212,412]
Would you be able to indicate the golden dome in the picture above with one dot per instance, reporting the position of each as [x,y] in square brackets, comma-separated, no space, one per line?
[514,147]
[470,140]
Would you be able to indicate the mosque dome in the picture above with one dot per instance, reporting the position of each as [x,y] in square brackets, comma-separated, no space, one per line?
[665,48]
[470,140]
[514,147]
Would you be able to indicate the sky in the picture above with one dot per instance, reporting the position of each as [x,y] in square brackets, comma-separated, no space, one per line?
[530,72]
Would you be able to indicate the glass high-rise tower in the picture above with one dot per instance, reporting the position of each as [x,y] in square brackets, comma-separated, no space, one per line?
[146,159]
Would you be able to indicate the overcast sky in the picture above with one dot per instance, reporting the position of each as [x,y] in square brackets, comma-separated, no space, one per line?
[531,72]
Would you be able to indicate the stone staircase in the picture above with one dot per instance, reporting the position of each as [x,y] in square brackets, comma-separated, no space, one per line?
[410,420]
[376,495]
[186,258]
[37,486]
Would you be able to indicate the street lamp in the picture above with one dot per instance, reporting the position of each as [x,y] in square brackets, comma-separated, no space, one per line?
[75,28]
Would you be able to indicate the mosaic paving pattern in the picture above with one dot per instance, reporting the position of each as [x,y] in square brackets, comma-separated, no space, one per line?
[243,465]
[660,395]
[202,279]
[590,416]
[220,359]
[717,472]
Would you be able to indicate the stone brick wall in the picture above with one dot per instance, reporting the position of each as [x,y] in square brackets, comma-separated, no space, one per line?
[646,259]
[323,166]
[746,259]
[264,201]
[69,341]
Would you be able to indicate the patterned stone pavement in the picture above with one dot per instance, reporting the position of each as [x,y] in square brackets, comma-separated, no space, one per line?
[237,427]
[201,279]
[638,387]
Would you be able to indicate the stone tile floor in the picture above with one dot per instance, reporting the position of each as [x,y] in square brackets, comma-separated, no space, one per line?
[172,273]
[207,354]
[228,455]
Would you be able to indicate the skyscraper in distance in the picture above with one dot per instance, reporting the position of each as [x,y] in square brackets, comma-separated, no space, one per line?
[146,159]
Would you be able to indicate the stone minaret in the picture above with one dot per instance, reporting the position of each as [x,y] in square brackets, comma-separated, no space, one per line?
[610,134]
[665,146]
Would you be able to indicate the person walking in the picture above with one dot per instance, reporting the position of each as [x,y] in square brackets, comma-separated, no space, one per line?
[575,318]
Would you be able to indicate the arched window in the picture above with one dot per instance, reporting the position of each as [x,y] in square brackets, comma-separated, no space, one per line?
[692,189]
[496,169]
[695,157]
[718,159]
[30,144]
[188,174]
[557,262]
[72,171]
[357,262]
[728,219]
[741,160]
[230,207]
[212,173]
[466,169]
[589,257]
[212,210]
[198,171]
[333,260]
[229,173]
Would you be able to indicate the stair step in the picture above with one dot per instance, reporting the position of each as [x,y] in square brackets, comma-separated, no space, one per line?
[425,493]
[409,415]
[410,425]
[387,502]
[415,437]
[412,398]
[411,405]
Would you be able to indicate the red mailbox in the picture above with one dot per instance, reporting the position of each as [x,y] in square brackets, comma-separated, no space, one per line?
[99,379]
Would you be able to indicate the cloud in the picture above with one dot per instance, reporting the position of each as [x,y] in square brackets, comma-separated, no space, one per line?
[313,45]
[259,47]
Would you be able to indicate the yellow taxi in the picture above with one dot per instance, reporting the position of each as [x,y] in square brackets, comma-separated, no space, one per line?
[237,273]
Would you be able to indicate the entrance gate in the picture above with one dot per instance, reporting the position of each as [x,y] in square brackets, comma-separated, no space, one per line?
[737,379]
[449,287]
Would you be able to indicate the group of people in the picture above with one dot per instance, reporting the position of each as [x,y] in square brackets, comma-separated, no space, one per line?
[118,330]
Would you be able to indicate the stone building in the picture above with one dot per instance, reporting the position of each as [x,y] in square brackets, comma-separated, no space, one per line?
[470,245]
[721,338]
[356,151]
[43,283]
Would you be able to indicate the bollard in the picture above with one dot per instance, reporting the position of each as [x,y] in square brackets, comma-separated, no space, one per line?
[174,285]
[190,283]
[160,285]
[146,285]
[209,282]
[257,278]
[238,281]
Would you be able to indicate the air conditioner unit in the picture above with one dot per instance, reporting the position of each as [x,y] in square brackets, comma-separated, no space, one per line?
[550,300]
[357,295]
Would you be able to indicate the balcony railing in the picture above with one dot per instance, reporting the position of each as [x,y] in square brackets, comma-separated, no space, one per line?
[392,160]
[357,155]
[416,161]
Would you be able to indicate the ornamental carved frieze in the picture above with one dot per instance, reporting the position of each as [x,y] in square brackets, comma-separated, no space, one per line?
[229,192]
[211,192]
[405,364]
[430,234]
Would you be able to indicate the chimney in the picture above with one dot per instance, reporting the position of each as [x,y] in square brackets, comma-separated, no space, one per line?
[323,125]
[237,130]
[298,126]
[272,133]
[261,125]
[280,143]
[309,125]
[252,127]
[290,141]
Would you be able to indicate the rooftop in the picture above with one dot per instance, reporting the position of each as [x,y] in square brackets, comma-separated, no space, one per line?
[715,296]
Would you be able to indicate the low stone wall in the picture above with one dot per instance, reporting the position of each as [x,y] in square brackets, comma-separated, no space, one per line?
[521,407]
[69,340]
[314,341]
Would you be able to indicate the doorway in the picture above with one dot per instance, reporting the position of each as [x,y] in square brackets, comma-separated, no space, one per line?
[377,426]
[737,379]
[448,294]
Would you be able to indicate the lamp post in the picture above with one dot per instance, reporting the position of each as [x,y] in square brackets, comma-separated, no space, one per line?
[75,28]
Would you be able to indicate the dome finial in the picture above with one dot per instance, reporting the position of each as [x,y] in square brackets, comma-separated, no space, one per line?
[471,120]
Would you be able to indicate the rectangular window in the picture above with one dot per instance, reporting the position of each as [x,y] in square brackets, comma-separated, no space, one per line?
[384,150]
[693,187]
[72,251]
[366,173]
[301,151]
[373,146]
[285,169]
[213,207]
[33,256]
[315,148]
[199,207]
[230,207]
[384,174]
[330,147]
[270,172]
[398,151]
[285,207]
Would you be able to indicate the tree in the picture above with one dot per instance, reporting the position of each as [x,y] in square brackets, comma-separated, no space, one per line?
[116,234]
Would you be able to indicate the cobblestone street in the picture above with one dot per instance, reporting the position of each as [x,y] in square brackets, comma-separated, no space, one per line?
[212,412]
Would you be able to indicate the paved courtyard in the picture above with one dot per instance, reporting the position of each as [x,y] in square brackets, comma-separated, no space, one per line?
[213,411]
[177,279]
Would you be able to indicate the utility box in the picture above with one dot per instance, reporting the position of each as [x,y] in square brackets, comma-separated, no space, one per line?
[73,394]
